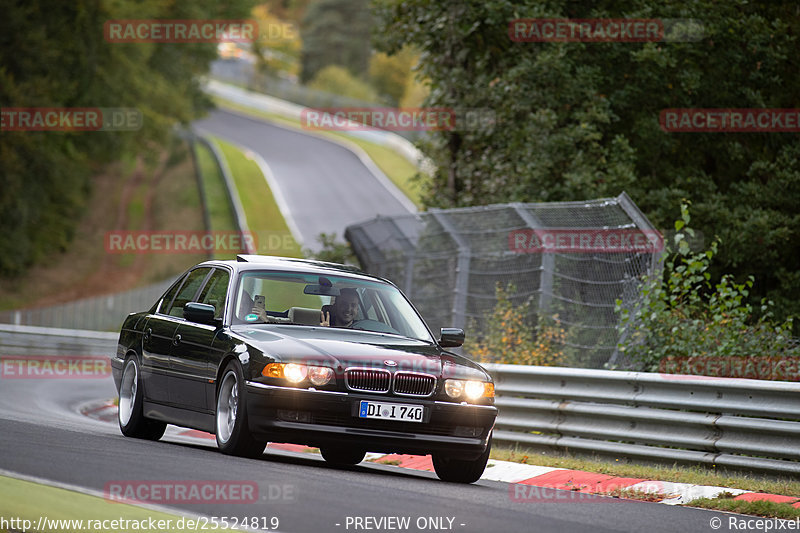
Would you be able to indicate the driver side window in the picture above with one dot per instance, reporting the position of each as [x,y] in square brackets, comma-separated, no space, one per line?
[215,291]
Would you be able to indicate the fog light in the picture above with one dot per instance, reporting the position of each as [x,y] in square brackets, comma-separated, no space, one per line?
[468,431]
[294,416]
[319,375]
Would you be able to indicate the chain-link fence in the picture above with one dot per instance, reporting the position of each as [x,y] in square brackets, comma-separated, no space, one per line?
[570,260]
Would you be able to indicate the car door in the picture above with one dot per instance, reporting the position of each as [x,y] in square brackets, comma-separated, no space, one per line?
[156,345]
[192,350]
[160,331]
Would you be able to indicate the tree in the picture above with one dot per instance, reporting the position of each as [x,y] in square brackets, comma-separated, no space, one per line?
[390,74]
[579,120]
[54,54]
[335,32]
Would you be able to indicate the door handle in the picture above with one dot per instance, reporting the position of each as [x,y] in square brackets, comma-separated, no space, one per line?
[177,340]
[147,334]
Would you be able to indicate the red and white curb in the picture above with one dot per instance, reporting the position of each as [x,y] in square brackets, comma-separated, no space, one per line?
[544,477]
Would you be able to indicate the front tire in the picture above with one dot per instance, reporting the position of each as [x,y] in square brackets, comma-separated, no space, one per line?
[132,422]
[233,435]
[342,456]
[460,470]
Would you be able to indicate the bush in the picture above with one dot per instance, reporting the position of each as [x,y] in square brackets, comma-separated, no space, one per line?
[333,251]
[511,339]
[338,80]
[681,315]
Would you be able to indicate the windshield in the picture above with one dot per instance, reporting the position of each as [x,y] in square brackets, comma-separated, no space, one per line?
[265,297]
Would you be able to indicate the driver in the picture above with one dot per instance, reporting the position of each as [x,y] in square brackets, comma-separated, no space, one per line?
[343,311]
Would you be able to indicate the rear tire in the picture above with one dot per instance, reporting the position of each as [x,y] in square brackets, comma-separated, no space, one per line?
[460,470]
[342,456]
[132,422]
[233,435]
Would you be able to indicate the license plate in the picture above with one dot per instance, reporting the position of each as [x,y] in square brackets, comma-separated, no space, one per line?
[391,411]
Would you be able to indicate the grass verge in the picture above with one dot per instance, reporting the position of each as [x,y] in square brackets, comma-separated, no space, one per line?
[25,500]
[677,474]
[395,166]
[758,508]
[264,218]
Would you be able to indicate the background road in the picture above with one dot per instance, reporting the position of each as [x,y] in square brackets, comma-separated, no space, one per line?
[42,434]
[326,186]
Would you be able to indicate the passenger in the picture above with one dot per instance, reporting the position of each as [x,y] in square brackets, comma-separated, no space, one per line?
[342,312]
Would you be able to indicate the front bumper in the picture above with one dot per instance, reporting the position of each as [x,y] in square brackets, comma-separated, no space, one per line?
[321,418]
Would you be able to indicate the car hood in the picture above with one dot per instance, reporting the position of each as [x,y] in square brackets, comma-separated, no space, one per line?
[342,348]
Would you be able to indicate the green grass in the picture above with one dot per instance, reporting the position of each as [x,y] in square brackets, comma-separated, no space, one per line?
[678,474]
[31,501]
[758,508]
[263,215]
[395,166]
[220,214]
[219,209]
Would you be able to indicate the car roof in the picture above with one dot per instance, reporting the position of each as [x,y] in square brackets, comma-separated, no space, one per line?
[290,264]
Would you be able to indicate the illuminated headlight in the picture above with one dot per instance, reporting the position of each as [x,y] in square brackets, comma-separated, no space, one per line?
[297,373]
[294,372]
[319,375]
[471,390]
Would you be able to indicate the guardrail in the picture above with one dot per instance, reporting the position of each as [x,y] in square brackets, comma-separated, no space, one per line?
[741,424]
[33,340]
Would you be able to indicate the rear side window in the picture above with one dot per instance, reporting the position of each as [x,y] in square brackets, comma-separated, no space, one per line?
[215,291]
[166,300]
[187,291]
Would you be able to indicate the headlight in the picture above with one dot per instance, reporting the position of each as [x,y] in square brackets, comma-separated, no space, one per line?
[294,372]
[454,388]
[319,375]
[471,390]
[297,373]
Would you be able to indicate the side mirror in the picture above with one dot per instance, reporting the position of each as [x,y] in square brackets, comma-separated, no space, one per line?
[451,337]
[200,313]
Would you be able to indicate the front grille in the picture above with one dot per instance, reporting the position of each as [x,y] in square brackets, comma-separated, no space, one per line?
[366,379]
[414,384]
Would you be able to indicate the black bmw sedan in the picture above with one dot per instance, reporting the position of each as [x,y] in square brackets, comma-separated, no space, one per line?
[267,349]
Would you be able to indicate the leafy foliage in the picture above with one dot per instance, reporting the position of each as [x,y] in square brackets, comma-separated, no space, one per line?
[53,54]
[580,120]
[332,251]
[335,32]
[683,315]
[337,80]
[390,74]
[511,339]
